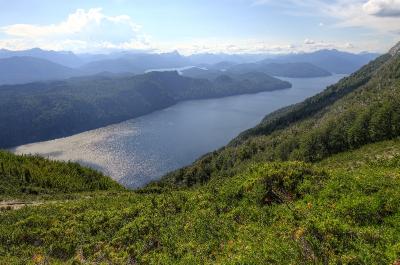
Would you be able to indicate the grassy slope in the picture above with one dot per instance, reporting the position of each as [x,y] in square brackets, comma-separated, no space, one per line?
[343,209]
[24,176]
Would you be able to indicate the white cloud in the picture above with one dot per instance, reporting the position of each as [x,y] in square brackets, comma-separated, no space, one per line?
[94,31]
[366,14]
[74,24]
[383,8]
[253,46]
[308,41]
[81,31]
[378,15]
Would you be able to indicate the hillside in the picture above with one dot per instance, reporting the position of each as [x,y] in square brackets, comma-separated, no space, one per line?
[47,110]
[18,70]
[34,175]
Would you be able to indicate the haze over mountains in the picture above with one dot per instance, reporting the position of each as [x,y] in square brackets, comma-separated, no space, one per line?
[333,61]
[18,67]
[68,59]
[19,70]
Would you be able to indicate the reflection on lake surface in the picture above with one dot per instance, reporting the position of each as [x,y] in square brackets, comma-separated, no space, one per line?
[143,149]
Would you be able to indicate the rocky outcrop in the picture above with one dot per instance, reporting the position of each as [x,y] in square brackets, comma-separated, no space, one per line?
[395,50]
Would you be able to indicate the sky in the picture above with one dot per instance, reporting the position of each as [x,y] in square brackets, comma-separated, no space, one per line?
[200,26]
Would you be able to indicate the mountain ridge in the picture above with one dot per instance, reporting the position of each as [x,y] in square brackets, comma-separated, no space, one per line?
[25,69]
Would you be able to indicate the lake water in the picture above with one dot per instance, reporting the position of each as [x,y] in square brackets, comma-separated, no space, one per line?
[140,150]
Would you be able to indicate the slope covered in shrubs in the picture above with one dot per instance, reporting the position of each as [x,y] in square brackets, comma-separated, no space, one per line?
[344,210]
[34,175]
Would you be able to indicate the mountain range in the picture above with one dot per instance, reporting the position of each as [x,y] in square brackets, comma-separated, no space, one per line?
[333,61]
[40,65]
[25,69]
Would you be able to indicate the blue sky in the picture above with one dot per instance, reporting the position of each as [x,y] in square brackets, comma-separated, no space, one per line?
[189,26]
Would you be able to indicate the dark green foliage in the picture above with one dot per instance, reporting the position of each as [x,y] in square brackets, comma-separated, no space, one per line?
[33,175]
[42,111]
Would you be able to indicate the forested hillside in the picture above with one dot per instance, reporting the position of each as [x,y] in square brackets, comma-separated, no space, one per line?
[360,109]
[47,110]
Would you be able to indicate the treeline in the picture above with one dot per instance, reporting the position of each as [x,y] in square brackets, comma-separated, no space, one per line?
[47,110]
[381,121]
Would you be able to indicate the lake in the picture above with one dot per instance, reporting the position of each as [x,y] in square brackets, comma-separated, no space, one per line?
[140,150]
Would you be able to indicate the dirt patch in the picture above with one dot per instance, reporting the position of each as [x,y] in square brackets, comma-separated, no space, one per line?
[15,205]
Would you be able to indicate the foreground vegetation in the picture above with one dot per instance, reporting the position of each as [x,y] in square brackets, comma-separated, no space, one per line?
[342,210]
[24,176]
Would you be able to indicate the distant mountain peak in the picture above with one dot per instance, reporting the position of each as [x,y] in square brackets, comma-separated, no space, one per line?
[395,50]
[35,49]
[174,53]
